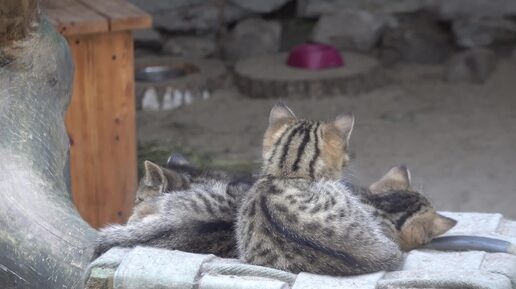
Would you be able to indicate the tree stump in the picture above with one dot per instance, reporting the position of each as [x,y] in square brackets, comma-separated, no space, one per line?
[270,77]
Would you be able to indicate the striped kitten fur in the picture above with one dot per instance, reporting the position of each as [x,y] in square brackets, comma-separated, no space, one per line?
[298,216]
[179,175]
[198,217]
[405,215]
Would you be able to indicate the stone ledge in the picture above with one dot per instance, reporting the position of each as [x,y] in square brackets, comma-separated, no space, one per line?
[474,223]
[444,279]
[311,281]
[150,267]
[429,260]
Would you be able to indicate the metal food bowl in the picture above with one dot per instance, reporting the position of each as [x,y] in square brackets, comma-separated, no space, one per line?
[159,73]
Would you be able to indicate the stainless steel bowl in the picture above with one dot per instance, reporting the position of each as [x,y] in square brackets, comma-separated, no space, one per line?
[159,73]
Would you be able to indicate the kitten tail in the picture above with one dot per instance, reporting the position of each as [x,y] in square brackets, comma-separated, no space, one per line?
[130,235]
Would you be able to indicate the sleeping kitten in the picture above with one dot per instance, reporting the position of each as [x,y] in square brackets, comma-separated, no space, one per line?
[197,216]
[297,216]
[155,182]
[179,175]
[406,216]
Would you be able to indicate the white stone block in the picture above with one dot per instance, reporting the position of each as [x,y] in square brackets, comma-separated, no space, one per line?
[146,268]
[444,279]
[473,223]
[312,281]
[500,263]
[429,260]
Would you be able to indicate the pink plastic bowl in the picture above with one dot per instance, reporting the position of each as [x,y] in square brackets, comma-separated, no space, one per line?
[314,56]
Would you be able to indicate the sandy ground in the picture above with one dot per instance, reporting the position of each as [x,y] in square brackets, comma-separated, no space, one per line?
[459,140]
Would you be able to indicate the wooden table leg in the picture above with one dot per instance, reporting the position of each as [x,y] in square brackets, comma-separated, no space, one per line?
[101,122]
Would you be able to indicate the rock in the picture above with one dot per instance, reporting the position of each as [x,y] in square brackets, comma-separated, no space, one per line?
[150,100]
[476,32]
[450,10]
[513,57]
[357,30]
[190,46]
[316,8]
[295,31]
[190,15]
[157,5]
[446,9]
[202,74]
[261,6]
[172,99]
[418,39]
[474,65]
[252,37]
[147,39]
[146,35]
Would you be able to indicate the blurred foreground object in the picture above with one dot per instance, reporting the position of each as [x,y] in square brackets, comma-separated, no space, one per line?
[44,243]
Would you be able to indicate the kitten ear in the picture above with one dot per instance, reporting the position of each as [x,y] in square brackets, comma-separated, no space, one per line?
[176,180]
[177,159]
[344,124]
[441,224]
[280,113]
[397,178]
[154,175]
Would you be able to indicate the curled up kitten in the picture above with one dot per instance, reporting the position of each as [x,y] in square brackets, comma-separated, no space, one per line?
[406,216]
[178,211]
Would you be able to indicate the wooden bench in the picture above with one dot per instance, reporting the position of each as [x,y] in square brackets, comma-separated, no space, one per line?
[101,117]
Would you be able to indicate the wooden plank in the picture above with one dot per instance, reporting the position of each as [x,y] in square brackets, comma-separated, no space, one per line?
[74,18]
[101,124]
[120,14]
[83,146]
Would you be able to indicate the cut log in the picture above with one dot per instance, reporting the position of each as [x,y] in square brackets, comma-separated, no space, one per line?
[270,77]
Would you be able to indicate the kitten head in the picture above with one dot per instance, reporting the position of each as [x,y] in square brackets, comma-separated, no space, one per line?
[158,180]
[180,174]
[308,149]
[416,222]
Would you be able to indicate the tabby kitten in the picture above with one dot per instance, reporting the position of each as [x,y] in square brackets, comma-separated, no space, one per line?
[298,216]
[406,216]
[198,217]
[179,175]
[155,182]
